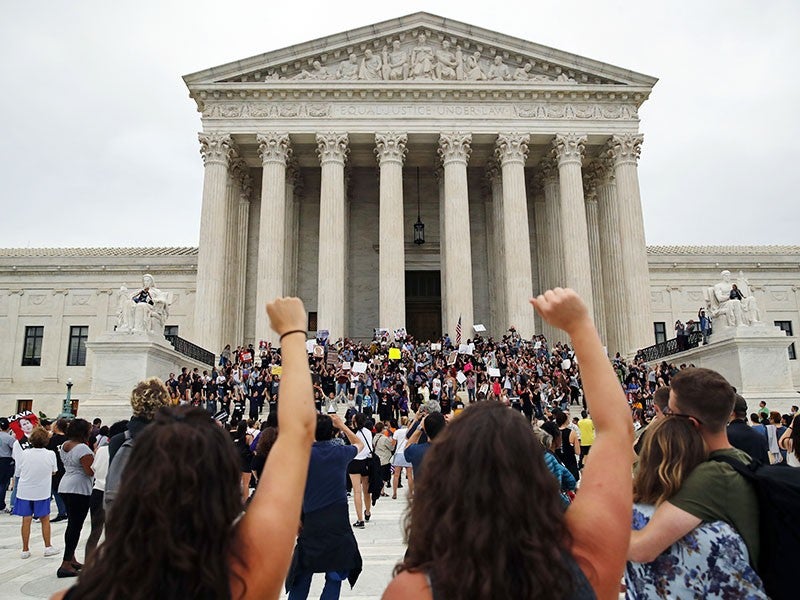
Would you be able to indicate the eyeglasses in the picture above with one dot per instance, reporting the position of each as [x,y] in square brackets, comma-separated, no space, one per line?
[668,412]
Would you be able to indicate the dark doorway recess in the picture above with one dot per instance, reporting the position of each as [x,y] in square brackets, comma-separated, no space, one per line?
[424,304]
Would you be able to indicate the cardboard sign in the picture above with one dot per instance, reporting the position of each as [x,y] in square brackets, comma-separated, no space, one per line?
[246,357]
[451,360]
[460,377]
[494,372]
[333,357]
[346,366]
[359,367]
[436,347]
[394,353]
[318,351]
[276,370]
[464,349]
[479,328]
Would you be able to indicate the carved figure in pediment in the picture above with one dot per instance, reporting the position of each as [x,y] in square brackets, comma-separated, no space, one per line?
[370,68]
[564,78]
[272,76]
[395,63]
[523,73]
[461,72]
[317,72]
[498,70]
[446,62]
[422,59]
[348,69]
[474,70]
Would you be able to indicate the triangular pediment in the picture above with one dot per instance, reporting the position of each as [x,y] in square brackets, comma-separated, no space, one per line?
[419,49]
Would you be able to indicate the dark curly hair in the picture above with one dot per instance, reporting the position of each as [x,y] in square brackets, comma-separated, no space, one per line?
[169,533]
[486,520]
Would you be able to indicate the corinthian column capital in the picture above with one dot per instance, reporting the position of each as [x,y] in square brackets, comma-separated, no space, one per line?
[332,147]
[512,147]
[390,147]
[455,147]
[624,148]
[274,147]
[216,148]
[569,148]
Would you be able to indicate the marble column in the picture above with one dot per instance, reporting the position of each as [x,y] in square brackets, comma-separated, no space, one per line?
[493,325]
[497,249]
[332,149]
[289,273]
[274,148]
[242,222]
[216,150]
[555,247]
[511,151]
[230,311]
[454,150]
[590,179]
[543,251]
[439,176]
[575,239]
[611,260]
[624,150]
[390,150]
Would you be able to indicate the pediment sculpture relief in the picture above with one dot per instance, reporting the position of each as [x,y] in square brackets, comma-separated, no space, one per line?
[423,59]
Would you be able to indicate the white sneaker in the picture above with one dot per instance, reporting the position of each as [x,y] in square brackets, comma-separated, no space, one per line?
[51,551]
[25,554]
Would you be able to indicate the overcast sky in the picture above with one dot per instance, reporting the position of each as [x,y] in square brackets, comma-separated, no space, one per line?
[99,138]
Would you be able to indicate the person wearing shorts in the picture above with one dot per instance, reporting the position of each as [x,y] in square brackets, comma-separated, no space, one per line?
[36,467]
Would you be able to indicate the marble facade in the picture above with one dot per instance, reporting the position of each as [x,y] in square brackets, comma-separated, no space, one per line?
[421,94]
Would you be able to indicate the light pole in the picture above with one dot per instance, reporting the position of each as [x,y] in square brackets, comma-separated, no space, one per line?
[66,410]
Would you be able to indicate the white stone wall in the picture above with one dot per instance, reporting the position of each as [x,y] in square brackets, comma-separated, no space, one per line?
[92,279]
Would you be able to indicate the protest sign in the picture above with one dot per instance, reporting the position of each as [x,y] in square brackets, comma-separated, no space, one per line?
[435,347]
[346,366]
[479,328]
[359,367]
[494,372]
[333,357]
[460,377]
[276,370]
[451,359]
[394,353]
[465,349]
[310,346]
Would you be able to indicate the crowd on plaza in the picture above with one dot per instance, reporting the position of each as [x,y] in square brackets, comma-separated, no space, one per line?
[203,493]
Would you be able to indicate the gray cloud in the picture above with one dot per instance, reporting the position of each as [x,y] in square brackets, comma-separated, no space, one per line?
[99,145]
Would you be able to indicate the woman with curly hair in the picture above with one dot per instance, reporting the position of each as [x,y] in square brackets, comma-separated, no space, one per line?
[507,535]
[176,529]
[709,562]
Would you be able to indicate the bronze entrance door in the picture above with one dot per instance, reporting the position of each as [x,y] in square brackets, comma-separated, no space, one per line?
[424,304]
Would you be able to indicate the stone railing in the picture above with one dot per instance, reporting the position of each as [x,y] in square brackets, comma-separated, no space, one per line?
[191,350]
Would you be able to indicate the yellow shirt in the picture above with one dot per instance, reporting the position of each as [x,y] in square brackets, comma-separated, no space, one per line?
[587,432]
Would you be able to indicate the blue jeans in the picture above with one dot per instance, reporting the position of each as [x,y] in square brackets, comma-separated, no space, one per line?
[302,583]
[60,506]
[6,473]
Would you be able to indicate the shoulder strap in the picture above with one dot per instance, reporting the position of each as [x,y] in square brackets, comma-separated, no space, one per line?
[745,470]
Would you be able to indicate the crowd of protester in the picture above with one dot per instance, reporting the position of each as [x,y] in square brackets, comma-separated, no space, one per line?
[203,448]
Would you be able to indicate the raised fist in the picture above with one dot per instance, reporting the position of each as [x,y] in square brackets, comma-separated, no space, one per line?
[562,308]
[286,314]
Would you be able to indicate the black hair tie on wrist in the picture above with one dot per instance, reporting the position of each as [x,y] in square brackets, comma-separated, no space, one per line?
[291,332]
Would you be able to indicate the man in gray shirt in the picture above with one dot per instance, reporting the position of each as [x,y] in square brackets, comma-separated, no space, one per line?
[7,440]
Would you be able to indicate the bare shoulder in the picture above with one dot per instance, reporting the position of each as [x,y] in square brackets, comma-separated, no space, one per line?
[59,595]
[408,585]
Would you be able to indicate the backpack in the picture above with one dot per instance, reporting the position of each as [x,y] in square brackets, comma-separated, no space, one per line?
[778,490]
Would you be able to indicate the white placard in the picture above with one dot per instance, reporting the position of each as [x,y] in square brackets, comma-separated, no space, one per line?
[566,364]
[464,349]
[310,346]
[479,328]
[460,377]
[435,347]
[359,367]
[346,366]
[494,372]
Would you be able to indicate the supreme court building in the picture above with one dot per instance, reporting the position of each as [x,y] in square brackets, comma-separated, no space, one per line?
[319,161]
[520,161]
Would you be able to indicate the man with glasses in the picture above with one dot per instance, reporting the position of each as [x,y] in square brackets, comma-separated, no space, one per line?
[713,491]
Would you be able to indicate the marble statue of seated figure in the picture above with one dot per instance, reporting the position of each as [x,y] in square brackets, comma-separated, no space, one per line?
[145,311]
[732,303]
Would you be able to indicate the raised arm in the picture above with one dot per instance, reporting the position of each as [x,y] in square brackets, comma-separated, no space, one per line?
[354,440]
[599,544]
[266,533]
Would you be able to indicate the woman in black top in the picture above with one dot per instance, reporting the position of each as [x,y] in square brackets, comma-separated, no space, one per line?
[242,441]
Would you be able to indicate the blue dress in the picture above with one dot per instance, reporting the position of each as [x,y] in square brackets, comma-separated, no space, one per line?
[709,562]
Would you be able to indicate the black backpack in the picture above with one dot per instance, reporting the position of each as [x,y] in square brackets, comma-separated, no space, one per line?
[778,491]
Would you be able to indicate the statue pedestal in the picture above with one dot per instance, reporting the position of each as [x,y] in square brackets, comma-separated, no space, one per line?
[754,359]
[121,360]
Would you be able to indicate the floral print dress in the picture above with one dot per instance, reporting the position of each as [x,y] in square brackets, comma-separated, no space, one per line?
[710,562]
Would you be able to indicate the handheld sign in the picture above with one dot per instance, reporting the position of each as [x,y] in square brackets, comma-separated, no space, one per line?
[394,353]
